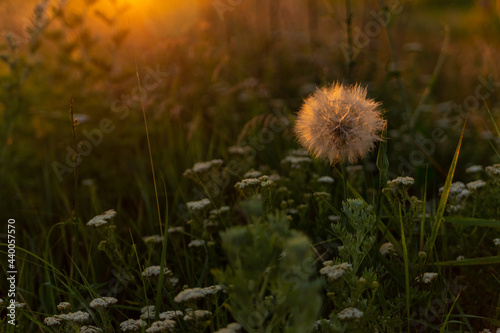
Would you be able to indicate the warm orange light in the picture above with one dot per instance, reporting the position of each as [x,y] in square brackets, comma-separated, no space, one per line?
[164,18]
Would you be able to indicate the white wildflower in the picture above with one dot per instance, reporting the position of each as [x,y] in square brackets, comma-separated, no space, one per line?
[350,313]
[401,182]
[52,321]
[460,258]
[211,290]
[326,180]
[78,317]
[386,248]
[475,185]
[102,219]
[64,306]
[132,325]
[155,271]
[252,174]
[148,312]
[103,302]
[202,167]
[496,241]
[161,326]
[427,277]
[169,315]
[237,150]
[152,239]
[175,229]
[296,162]
[190,295]
[474,169]
[493,170]
[230,328]
[90,329]
[197,315]
[220,210]
[198,205]
[196,243]
[334,218]
[336,271]
[249,182]
[301,152]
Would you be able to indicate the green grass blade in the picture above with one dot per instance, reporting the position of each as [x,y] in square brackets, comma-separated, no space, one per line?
[468,221]
[444,196]
[448,315]
[407,267]
[470,262]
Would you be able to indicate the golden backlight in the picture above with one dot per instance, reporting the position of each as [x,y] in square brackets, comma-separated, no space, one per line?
[163,18]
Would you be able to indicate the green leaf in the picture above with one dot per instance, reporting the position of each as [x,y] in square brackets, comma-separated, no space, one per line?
[444,196]
[469,221]
[470,262]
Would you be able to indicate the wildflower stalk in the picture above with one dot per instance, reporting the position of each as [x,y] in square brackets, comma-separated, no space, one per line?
[348,19]
[383,167]
[74,124]
[344,180]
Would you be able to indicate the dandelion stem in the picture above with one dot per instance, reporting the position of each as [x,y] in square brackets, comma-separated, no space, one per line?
[344,180]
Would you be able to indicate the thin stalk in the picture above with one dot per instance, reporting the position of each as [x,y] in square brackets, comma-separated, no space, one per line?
[147,138]
[344,180]
[348,20]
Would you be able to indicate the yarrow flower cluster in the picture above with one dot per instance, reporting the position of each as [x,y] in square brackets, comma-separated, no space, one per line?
[152,239]
[90,329]
[350,313]
[333,272]
[493,170]
[198,205]
[386,248]
[201,168]
[230,328]
[427,277]
[153,271]
[161,326]
[475,185]
[102,219]
[196,315]
[103,302]
[474,169]
[339,123]
[457,196]
[78,317]
[132,325]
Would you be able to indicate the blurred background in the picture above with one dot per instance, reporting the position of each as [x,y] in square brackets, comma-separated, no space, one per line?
[213,68]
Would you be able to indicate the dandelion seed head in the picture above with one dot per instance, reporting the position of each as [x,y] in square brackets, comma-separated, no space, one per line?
[103,302]
[339,123]
[350,313]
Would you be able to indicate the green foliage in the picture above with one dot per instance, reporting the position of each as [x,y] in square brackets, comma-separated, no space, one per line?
[270,273]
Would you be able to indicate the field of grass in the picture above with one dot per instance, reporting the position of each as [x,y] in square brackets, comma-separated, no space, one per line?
[152,176]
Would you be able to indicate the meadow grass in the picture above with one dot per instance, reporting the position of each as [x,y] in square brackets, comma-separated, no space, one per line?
[169,193]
